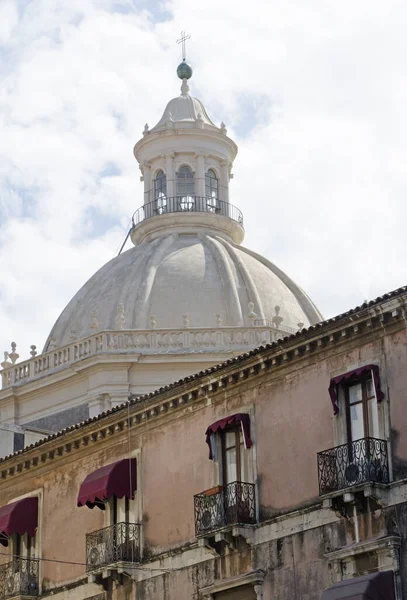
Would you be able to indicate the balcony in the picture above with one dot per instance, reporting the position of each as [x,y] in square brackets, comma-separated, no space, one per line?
[219,507]
[360,462]
[118,543]
[19,578]
[187,204]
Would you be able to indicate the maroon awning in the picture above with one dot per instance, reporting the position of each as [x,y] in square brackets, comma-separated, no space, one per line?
[354,376]
[18,517]
[376,586]
[242,419]
[118,479]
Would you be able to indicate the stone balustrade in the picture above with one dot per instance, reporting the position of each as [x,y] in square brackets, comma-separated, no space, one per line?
[146,342]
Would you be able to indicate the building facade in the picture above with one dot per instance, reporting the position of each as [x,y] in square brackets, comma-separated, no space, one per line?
[278,474]
[185,297]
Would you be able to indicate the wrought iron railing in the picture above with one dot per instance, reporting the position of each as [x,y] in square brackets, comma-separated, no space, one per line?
[361,461]
[231,504]
[187,204]
[117,543]
[19,578]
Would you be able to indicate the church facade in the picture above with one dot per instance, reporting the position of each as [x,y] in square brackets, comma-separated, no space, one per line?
[281,473]
[185,297]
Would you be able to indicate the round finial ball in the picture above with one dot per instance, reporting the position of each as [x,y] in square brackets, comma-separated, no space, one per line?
[184,71]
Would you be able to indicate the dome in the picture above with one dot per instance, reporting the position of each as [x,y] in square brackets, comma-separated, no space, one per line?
[184,280]
[184,109]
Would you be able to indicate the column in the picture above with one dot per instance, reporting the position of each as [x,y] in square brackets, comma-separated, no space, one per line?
[200,175]
[224,181]
[169,172]
[148,195]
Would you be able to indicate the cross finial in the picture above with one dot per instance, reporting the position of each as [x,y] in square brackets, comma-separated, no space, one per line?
[184,37]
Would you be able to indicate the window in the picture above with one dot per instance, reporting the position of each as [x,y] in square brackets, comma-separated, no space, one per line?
[119,510]
[211,191]
[23,546]
[186,188]
[232,455]
[20,574]
[361,410]
[160,193]
[112,488]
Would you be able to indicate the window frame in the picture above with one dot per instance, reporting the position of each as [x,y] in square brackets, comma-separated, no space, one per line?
[211,191]
[364,402]
[185,177]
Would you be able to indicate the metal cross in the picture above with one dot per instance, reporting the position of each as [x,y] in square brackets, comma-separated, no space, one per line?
[182,41]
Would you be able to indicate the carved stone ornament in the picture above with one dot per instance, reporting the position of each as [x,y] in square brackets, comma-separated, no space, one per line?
[6,363]
[94,323]
[120,316]
[185,321]
[33,350]
[13,354]
[277,320]
[219,320]
[252,314]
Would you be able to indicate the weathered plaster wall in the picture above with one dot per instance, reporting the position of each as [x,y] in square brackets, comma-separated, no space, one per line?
[292,421]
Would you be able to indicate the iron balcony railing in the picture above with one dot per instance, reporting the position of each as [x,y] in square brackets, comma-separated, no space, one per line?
[218,507]
[19,578]
[187,204]
[114,544]
[354,463]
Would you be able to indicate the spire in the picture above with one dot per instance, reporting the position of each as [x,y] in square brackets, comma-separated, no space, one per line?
[184,70]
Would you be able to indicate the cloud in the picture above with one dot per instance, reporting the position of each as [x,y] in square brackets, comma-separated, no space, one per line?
[313,93]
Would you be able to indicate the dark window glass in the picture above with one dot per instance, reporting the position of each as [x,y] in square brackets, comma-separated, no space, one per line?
[361,410]
[186,188]
[160,193]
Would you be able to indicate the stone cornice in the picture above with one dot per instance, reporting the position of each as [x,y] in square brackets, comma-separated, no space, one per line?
[333,335]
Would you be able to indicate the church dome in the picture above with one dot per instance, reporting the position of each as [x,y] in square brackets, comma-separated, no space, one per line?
[187,269]
[181,280]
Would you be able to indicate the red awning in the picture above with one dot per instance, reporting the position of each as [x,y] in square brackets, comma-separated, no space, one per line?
[118,479]
[354,376]
[18,517]
[376,586]
[240,418]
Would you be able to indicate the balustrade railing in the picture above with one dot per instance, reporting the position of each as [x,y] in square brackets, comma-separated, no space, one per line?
[218,507]
[354,463]
[114,544]
[156,341]
[20,577]
[187,204]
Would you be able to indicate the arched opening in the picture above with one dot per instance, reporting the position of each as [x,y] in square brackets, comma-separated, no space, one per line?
[211,190]
[160,193]
[186,188]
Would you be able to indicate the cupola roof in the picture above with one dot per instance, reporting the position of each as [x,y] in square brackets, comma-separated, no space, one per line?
[184,109]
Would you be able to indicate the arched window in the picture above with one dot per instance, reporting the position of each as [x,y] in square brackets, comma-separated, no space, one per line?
[160,193]
[186,188]
[211,190]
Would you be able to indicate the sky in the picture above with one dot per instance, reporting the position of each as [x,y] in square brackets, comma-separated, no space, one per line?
[314,93]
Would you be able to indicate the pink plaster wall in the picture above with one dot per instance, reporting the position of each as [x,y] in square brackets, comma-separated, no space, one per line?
[293,420]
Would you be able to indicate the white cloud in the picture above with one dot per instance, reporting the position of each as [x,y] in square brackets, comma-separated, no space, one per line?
[314,94]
